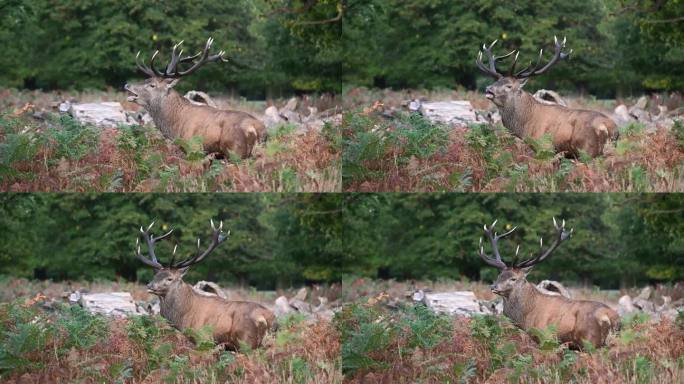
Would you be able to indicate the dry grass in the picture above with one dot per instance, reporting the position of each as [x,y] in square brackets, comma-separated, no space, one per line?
[146,349]
[58,154]
[484,158]
[390,341]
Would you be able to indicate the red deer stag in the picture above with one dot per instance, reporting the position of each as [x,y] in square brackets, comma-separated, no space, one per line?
[232,322]
[571,130]
[223,132]
[576,321]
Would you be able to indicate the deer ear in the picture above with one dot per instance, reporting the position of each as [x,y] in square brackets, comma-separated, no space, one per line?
[183,271]
[170,83]
[522,82]
[527,270]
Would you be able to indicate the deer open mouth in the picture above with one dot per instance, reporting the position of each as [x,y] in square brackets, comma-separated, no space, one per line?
[489,95]
[132,96]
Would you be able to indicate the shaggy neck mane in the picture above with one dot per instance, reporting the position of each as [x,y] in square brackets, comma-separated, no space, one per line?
[176,302]
[520,302]
[516,112]
[168,109]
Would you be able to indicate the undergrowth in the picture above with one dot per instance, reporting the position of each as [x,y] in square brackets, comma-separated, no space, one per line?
[60,154]
[408,344]
[405,152]
[68,344]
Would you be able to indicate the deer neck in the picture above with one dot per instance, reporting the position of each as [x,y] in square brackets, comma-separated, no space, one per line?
[516,112]
[176,303]
[520,302]
[167,113]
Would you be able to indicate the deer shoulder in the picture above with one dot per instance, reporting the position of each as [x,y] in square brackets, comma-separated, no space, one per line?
[572,130]
[233,323]
[222,131]
[576,321]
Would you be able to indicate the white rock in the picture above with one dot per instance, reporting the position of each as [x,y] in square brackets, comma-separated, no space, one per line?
[625,305]
[621,115]
[115,304]
[551,287]
[414,105]
[461,303]
[645,293]
[200,98]
[301,294]
[208,288]
[105,114]
[449,112]
[549,97]
[291,105]
[282,306]
[272,117]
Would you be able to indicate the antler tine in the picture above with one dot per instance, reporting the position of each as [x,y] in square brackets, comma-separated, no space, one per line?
[217,238]
[515,62]
[491,70]
[150,240]
[557,55]
[175,59]
[171,70]
[204,58]
[155,70]
[494,238]
[562,235]
[142,67]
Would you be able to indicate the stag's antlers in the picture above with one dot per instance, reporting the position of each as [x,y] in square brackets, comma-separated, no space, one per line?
[528,71]
[496,261]
[217,238]
[171,70]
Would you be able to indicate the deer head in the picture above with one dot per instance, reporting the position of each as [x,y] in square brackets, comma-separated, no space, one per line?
[510,85]
[153,91]
[514,276]
[165,278]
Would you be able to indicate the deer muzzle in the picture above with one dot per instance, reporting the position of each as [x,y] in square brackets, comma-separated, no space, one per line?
[133,96]
[489,94]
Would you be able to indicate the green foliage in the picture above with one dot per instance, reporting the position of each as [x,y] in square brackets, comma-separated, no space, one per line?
[409,136]
[26,332]
[678,131]
[271,48]
[416,44]
[70,139]
[367,332]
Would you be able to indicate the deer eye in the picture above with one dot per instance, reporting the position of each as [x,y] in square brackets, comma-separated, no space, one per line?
[169,278]
[152,85]
[514,279]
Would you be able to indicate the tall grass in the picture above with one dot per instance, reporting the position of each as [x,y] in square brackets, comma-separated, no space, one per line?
[408,344]
[405,152]
[60,154]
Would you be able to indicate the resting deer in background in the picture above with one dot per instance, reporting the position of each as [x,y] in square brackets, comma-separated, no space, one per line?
[223,132]
[232,322]
[571,130]
[575,320]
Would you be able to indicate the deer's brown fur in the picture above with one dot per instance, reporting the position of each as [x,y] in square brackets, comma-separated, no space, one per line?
[572,130]
[224,132]
[233,323]
[575,321]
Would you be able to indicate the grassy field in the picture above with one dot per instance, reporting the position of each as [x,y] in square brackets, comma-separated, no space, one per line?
[57,153]
[377,337]
[62,343]
[403,151]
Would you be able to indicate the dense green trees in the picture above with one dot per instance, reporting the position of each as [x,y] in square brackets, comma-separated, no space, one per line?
[621,47]
[280,240]
[619,239]
[618,49]
[92,43]
[275,240]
